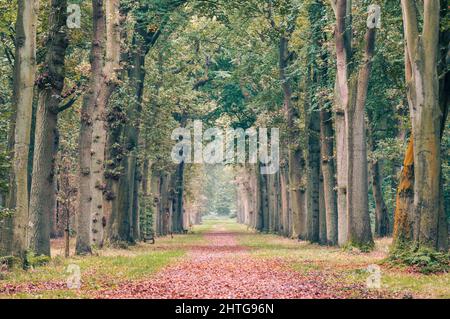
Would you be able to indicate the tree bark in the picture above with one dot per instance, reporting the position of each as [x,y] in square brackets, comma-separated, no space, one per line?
[295,155]
[127,181]
[341,175]
[322,213]
[51,84]
[263,183]
[178,198]
[426,114]
[359,232]
[24,78]
[328,172]
[403,215]
[351,94]
[99,127]
[90,102]
[297,193]
[285,201]
[382,227]
[313,176]
[342,9]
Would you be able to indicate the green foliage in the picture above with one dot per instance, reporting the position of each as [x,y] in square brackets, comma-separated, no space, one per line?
[32,260]
[353,246]
[424,260]
[6,212]
[220,190]
[146,216]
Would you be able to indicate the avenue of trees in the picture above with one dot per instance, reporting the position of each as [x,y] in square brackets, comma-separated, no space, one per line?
[359,92]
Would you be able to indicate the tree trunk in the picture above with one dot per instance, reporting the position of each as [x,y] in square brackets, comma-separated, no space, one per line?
[51,83]
[351,93]
[99,133]
[178,198]
[359,232]
[313,176]
[24,78]
[322,213]
[342,32]
[264,202]
[297,193]
[165,206]
[90,103]
[127,181]
[423,97]
[285,202]
[341,176]
[295,155]
[328,172]
[155,199]
[403,215]
[382,228]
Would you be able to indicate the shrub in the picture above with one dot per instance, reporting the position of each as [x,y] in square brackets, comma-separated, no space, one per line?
[423,260]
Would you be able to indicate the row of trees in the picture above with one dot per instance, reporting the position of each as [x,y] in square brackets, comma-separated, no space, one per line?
[88,126]
[109,173]
[321,193]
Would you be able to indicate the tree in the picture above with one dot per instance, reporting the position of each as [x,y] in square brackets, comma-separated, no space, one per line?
[110,75]
[420,223]
[352,93]
[90,102]
[24,77]
[50,84]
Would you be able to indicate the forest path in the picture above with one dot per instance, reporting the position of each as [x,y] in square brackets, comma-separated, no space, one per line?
[225,268]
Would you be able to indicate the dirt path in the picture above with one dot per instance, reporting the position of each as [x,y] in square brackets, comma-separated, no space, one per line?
[225,269]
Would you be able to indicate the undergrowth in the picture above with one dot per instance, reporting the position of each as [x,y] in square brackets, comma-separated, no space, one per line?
[423,260]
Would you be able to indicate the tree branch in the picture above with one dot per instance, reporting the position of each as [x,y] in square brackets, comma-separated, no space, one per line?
[410,26]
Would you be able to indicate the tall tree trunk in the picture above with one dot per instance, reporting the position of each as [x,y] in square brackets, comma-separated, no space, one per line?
[178,207]
[313,176]
[403,215]
[90,103]
[24,78]
[328,172]
[444,88]
[341,175]
[404,204]
[285,202]
[99,132]
[155,199]
[297,193]
[113,170]
[382,228]
[259,222]
[295,155]
[343,35]
[322,213]
[51,84]
[426,114]
[165,206]
[263,182]
[359,232]
[127,182]
[351,93]
[271,201]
